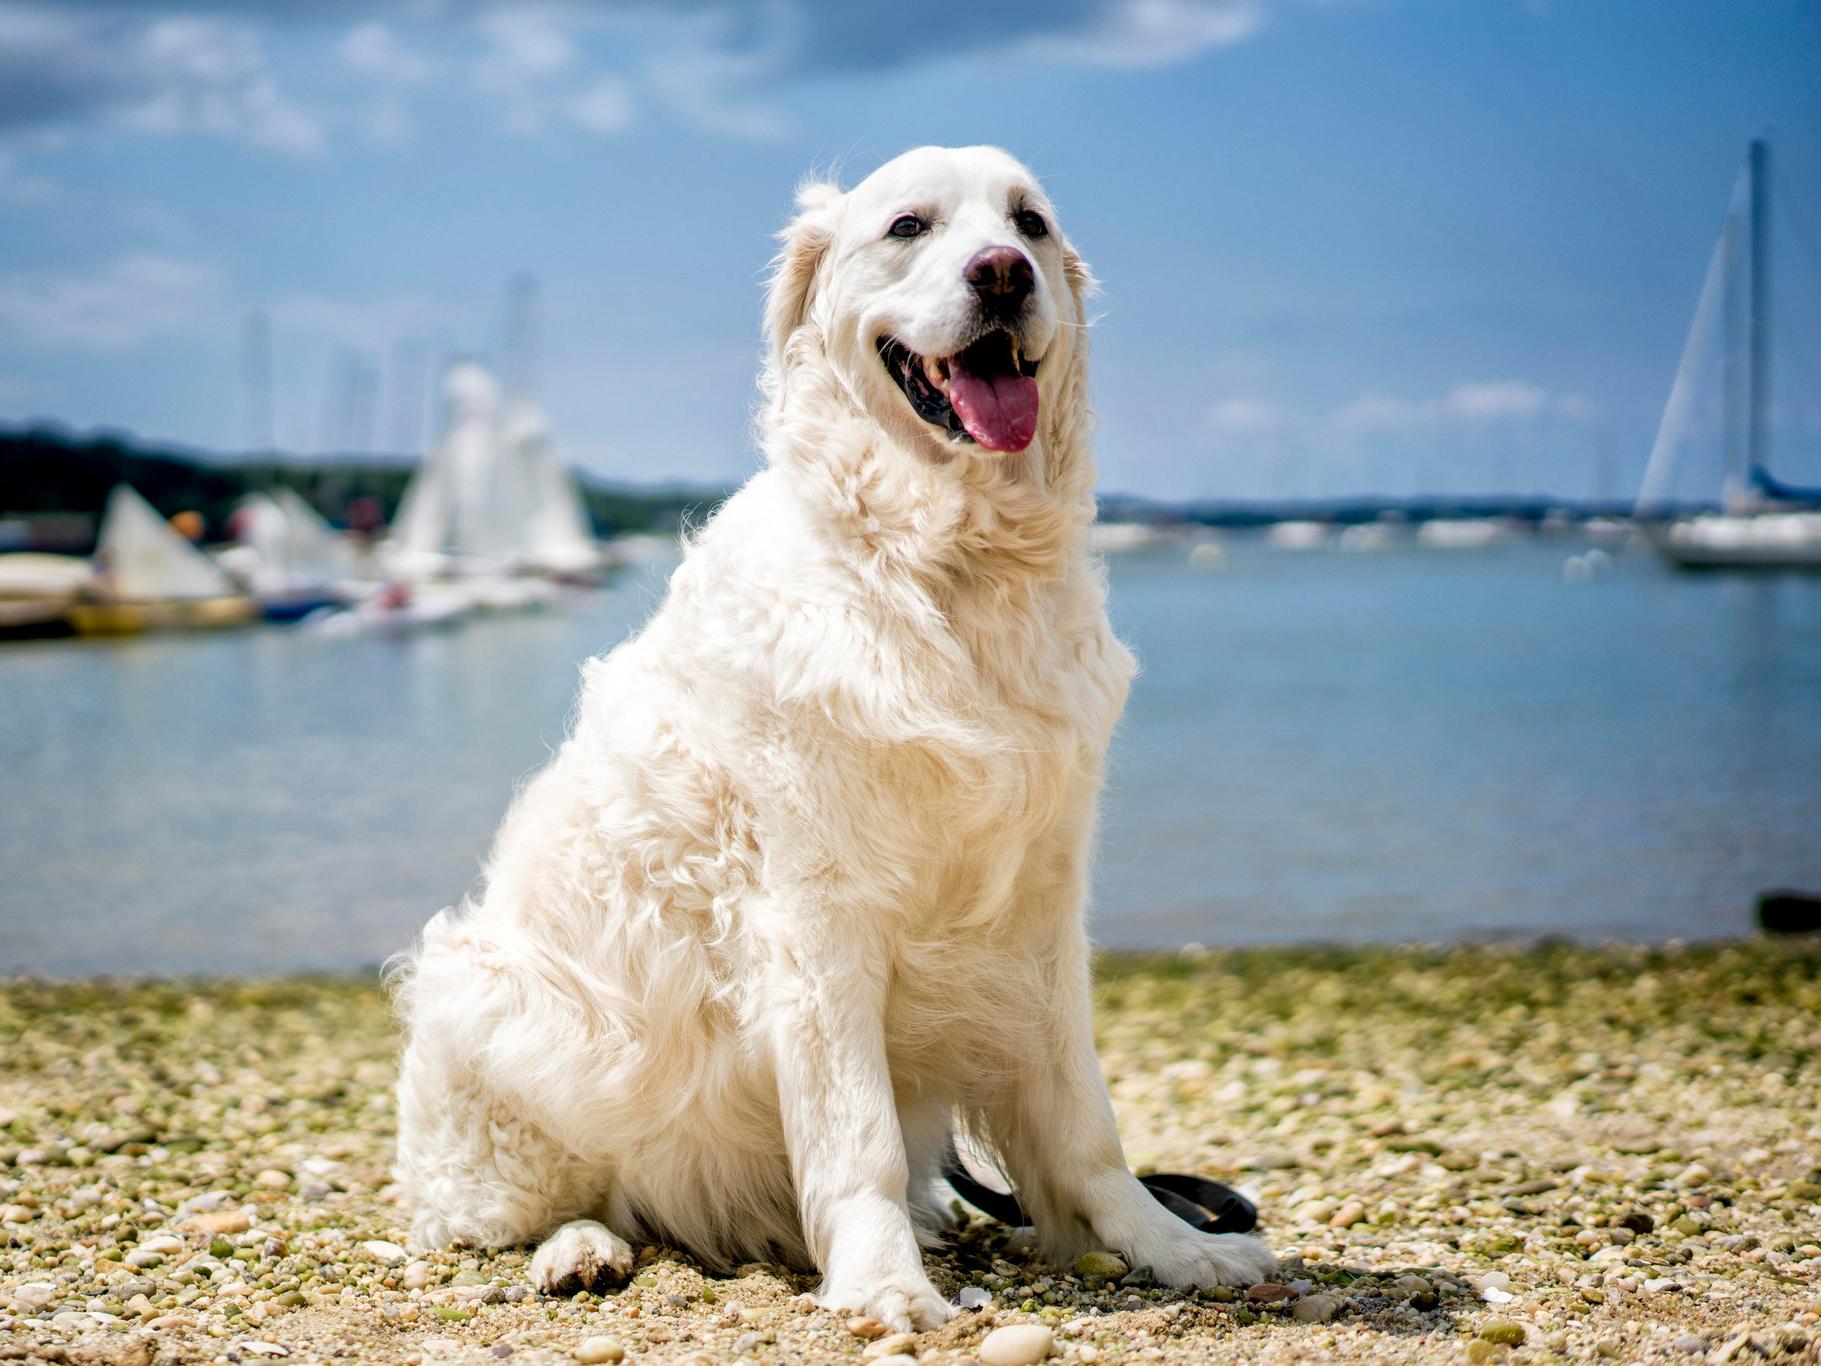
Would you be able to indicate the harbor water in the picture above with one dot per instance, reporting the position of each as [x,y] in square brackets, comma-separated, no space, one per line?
[1404,745]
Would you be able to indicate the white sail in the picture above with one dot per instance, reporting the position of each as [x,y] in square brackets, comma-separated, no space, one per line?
[294,549]
[554,531]
[141,558]
[459,509]
[319,555]
[492,495]
[1673,427]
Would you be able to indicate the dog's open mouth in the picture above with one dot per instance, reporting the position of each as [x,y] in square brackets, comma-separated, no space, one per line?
[987,393]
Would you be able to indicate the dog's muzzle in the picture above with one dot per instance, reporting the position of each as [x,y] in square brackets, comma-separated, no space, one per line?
[985,393]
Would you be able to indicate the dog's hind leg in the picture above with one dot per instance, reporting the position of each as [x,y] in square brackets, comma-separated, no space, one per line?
[927,1125]
[477,1171]
[475,1163]
[480,1175]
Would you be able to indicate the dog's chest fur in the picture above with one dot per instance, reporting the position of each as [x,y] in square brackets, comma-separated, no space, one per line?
[984,736]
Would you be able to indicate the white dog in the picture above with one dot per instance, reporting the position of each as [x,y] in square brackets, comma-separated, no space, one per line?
[805,886]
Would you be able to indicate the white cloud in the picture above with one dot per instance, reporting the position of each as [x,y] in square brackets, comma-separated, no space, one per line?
[210,77]
[549,63]
[527,52]
[372,323]
[1475,404]
[389,122]
[168,75]
[19,186]
[1496,400]
[1248,417]
[712,90]
[1156,32]
[604,107]
[122,304]
[374,50]
[1474,433]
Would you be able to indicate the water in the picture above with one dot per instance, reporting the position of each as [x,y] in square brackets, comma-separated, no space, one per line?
[1407,745]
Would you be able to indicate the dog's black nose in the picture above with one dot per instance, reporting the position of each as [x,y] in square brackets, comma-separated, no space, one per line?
[1002,278]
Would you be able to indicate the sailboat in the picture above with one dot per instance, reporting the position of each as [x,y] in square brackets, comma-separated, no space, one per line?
[294,561]
[149,577]
[1763,523]
[556,538]
[492,503]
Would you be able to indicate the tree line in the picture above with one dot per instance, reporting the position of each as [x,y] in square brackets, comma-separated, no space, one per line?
[45,470]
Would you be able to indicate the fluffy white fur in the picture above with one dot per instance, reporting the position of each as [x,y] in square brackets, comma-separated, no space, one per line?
[805,885]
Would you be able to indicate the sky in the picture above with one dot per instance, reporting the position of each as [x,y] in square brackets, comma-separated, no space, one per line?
[1347,246]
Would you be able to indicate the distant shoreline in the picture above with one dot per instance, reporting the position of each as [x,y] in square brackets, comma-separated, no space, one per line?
[48,471]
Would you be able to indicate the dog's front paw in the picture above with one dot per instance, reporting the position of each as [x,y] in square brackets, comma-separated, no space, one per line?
[904,1303]
[581,1255]
[1191,1258]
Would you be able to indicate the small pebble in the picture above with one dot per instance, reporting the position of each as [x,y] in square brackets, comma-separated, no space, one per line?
[1100,1266]
[218,1222]
[386,1254]
[598,1349]
[1315,1309]
[973,1297]
[1503,1332]
[893,1344]
[862,1327]
[33,1296]
[1019,1344]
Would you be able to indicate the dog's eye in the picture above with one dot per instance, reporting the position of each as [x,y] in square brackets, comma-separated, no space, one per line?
[908,225]
[1031,223]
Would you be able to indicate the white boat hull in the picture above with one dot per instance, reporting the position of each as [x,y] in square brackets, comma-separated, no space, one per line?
[1780,540]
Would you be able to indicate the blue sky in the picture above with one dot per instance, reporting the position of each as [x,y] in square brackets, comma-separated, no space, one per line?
[1347,245]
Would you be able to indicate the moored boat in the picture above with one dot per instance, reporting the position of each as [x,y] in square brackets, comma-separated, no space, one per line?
[130,617]
[148,577]
[492,502]
[1763,523]
[291,559]
[36,591]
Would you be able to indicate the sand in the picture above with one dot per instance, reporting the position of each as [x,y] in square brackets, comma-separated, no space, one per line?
[1477,1154]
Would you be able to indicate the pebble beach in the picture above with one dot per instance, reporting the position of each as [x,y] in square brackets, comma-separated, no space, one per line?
[1478,1154]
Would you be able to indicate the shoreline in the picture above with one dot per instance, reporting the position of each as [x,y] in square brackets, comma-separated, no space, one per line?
[1537,1152]
[1103,954]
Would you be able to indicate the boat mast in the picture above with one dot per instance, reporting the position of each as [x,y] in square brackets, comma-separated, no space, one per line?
[1758,324]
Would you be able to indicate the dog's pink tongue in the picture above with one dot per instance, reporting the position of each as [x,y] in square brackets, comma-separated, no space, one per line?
[999,411]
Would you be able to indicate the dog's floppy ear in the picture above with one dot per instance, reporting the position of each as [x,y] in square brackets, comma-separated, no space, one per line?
[793,270]
[1081,281]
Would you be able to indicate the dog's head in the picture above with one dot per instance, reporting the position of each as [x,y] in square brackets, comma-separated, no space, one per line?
[943,294]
